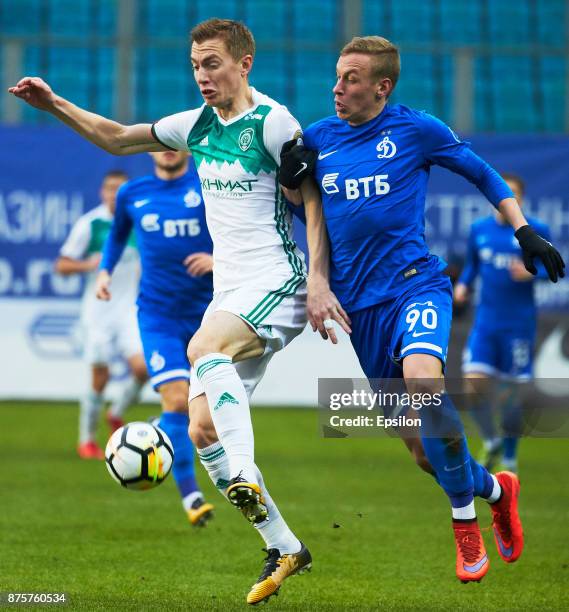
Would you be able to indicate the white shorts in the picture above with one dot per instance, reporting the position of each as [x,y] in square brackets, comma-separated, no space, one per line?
[104,340]
[278,324]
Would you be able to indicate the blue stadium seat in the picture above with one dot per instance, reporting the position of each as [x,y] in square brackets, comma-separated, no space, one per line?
[269,20]
[163,80]
[413,22]
[553,76]
[22,17]
[550,23]
[376,19]
[71,17]
[298,46]
[460,22]
[510,23]
[320,24]
[164,18]
[315,73]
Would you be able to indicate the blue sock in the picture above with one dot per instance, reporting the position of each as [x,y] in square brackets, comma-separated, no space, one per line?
[482,480]
[175,424]
[511,449]
[511,423]
[446,449]
[482,415]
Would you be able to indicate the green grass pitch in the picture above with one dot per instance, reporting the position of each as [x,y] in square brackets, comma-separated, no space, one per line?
[378,529]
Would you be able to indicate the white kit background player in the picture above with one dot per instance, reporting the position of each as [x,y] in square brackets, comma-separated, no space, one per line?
[107,327]
[260,294]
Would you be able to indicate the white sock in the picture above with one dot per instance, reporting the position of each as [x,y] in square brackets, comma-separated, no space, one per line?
[510,464]
[492,444]
[89,411]
[128,395]
[496,491]
[229,408]
[274,530]
[190,499]
[464,513]
[214,459]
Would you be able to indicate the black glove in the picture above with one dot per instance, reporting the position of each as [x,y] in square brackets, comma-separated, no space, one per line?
[533,245]
[297,162]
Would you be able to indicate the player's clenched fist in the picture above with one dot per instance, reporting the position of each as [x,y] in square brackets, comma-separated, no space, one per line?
[533,245]
[34,91]
[198,264]
[102,286]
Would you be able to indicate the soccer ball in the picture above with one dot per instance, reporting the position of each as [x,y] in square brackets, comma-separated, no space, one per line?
[139,456]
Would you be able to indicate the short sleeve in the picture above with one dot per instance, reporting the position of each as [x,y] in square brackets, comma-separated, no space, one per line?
[280,126]
[173,131]
[77,242]
[309,138]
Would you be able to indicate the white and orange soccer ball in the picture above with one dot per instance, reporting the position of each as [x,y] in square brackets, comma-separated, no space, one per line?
[139,456]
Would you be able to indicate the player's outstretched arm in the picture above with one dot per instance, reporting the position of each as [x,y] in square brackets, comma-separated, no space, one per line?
[109,135]
[322,305]
[531,243]
[67,265]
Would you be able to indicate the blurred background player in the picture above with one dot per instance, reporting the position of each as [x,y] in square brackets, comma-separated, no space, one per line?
[500,346]
[168,217]
[107,328]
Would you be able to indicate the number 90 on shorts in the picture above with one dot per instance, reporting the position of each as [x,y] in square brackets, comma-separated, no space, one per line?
[424,327]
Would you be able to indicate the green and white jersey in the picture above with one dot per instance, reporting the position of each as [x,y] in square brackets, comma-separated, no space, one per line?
[247,216]
[86,239]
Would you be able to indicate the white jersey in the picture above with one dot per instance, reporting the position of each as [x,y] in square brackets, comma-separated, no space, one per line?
[248,219]
[88,238]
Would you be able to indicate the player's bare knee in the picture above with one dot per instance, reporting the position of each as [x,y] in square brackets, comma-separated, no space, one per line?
[422,374]
[200,346]
[100,378]
[140,374]
[202,433]
[175,402]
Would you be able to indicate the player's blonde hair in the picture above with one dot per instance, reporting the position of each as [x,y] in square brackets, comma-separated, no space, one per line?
[385,55]
[236,35]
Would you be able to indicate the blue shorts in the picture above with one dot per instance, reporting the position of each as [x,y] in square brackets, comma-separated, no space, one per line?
[417,322]
[504,353]
[165,342]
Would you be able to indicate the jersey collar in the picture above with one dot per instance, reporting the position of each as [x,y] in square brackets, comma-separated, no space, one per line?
[256,101]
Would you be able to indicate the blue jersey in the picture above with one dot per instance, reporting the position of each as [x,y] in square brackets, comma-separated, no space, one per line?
[504,302]
[168,218]
[373,180]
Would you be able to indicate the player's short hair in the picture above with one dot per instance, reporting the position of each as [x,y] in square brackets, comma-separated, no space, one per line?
[515,178]
[237,36]
[117,173]
[386,61]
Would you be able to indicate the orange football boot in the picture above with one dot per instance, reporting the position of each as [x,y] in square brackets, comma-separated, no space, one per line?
[471,559]
[508,531]
[90,450]
[114,422]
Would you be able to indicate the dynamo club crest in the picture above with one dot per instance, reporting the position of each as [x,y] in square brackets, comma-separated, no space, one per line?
[386,148]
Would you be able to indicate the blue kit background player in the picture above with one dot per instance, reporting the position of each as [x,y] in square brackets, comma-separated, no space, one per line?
[372,168]
[500,345]
[168,216]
